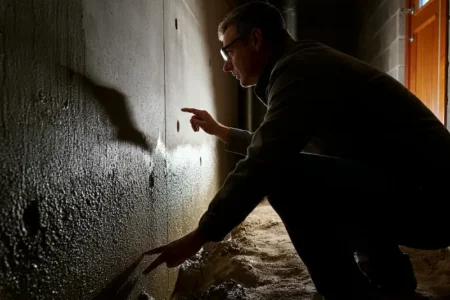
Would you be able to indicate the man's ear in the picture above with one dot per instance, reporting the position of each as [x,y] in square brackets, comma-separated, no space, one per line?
[256,38]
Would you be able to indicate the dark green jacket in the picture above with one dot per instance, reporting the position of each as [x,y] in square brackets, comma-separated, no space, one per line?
[349,108]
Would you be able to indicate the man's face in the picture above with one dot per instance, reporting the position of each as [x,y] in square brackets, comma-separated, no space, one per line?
[243,57]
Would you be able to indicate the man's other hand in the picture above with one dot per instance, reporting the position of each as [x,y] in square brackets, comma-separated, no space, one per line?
[177,252]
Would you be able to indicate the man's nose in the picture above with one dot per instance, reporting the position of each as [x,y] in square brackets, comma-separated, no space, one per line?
[227,67]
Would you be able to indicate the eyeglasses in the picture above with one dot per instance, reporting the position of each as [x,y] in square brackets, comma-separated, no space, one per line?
[224,50]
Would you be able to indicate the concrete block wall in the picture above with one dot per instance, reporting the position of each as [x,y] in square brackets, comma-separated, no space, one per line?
[98,164]
[382,36]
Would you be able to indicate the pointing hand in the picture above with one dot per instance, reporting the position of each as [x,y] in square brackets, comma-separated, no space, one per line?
[202,119]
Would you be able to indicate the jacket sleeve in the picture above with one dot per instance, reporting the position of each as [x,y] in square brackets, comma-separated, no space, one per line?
[286,129]
[239,141]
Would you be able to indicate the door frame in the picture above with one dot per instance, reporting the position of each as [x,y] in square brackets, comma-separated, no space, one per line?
[443,50]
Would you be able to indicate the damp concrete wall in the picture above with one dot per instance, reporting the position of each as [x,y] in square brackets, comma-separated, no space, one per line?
[98,163]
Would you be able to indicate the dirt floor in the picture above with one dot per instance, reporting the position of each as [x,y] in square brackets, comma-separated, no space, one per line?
[259,262]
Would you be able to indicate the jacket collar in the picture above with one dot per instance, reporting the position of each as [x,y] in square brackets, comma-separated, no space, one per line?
[278,52]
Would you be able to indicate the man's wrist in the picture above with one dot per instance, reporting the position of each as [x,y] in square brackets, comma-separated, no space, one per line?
[223,133]
[200,236]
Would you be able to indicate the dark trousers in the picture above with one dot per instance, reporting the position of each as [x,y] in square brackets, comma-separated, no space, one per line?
[333,207]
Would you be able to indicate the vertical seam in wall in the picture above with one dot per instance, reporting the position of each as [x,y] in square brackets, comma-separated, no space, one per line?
[165,133]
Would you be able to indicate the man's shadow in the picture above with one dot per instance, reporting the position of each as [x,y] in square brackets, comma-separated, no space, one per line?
[114,104]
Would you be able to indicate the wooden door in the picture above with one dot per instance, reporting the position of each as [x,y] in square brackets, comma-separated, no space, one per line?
[426,53]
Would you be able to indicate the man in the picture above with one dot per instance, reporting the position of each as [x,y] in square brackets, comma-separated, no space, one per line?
[388,158]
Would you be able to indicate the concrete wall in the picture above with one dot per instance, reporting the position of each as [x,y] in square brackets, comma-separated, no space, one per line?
[382,36]
[98,164]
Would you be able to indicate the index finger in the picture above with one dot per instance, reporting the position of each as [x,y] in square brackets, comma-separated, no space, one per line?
[154,264]
[191,110]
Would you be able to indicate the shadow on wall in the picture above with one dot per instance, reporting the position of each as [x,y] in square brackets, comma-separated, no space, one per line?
[115,104]
[122,285]
[66,196]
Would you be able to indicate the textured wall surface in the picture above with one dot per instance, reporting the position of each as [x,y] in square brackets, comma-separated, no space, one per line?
[94,168]
[194,78]
[382,36]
